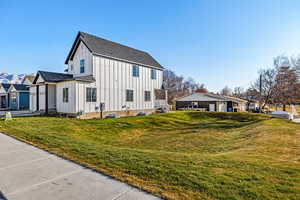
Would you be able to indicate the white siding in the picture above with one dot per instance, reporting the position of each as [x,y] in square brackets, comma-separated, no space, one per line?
[82,52]
[51,96]
[113,78]
[70,106]
[32,98]
[42,97]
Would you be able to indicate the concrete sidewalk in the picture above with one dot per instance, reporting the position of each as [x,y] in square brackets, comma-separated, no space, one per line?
[29,173]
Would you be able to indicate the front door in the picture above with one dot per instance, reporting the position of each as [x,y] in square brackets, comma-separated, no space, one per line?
[3,102]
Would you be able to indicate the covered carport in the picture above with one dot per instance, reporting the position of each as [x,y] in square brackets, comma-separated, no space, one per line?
[205,102]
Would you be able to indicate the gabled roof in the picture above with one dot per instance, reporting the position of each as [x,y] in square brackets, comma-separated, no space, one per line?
[106,48]
[5,86]
[20,87]
[204,97]
[30,78]
[53,77]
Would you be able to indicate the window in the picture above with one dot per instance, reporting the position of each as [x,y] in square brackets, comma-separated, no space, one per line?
[72,67]
[135,71]
[65,95]
[82,66]
[153,74]
[129,95]
[147,96]
[14,97]
[91,94]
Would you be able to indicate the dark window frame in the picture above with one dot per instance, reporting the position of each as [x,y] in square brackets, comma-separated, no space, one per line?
[129,95]
[153,74]
[135,71]
[91,95]
[147,96]
[82,66]
[65,95]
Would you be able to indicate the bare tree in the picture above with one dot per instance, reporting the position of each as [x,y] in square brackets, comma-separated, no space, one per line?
[287,86]
[177,86]
[252,94]
[238,92]
[265,86]
[226,91]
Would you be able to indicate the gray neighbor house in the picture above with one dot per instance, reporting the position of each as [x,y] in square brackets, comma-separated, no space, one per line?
[211,102]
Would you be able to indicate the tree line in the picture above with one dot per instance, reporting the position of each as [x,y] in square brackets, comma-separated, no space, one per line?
[276,85]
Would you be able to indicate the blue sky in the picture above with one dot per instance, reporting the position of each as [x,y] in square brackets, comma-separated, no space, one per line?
[216,42]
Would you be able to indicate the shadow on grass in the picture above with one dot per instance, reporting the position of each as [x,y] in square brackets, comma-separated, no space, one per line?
[2,197]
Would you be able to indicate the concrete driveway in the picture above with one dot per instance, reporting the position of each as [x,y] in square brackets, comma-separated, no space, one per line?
[29,173]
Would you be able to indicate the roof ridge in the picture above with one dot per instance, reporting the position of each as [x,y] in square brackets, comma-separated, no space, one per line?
[81,32]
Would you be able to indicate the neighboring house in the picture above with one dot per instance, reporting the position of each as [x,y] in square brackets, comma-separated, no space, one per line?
[253,105]
[240,105]
[4,96]
[28,80]
[210,102]
[101,75]
[14,97]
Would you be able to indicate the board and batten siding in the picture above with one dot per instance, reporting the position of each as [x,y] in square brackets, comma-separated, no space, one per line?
[113,78]
[70,106]
[42,97]
[32,98]
[82,53]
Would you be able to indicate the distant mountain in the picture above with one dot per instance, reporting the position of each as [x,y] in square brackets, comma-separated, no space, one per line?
[11,78]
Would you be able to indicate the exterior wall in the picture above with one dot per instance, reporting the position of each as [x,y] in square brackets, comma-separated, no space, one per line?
[82,52]
[70,106]
[203,105]
[51,97]
[42,97]
[32,97]
[222,106]
[3,100]
[14,105]
[118,113]
[113,78]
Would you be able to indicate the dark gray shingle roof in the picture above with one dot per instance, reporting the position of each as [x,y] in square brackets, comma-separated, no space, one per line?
[54,77]
[115,50]
[89,79]
[59,77]
[21,87]
[6,86]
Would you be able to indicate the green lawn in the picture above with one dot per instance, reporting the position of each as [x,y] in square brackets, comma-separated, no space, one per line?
[183,155]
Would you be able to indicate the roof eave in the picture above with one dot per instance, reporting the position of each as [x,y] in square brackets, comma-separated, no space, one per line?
[128,61]
[74,47]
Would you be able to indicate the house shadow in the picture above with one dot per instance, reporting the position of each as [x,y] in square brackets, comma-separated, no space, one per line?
[2,197]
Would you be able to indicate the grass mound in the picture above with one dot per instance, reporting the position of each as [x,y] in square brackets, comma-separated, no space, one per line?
[181,155]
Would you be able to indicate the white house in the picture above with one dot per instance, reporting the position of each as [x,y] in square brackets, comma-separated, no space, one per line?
[101,76]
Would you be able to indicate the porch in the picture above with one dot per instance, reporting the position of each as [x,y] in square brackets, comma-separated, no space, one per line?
[43,98]
[4,101]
